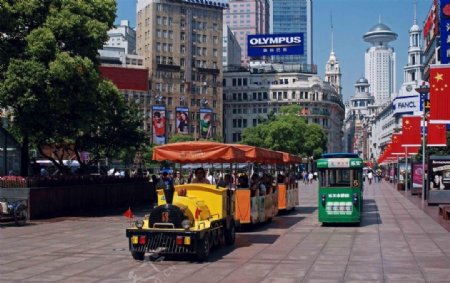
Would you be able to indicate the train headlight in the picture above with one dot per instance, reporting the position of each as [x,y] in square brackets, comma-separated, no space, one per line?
[324,199]
[139,223]
[186,224]
[355,199]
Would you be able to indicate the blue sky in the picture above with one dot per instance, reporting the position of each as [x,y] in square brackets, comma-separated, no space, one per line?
[351,19]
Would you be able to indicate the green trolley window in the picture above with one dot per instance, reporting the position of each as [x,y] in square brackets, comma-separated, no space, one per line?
[339,178]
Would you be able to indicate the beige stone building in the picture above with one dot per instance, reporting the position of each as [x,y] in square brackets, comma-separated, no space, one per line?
[181,42]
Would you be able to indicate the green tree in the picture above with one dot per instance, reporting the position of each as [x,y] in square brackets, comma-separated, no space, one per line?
[439,150]
[50,82]
[181,138]
[287,132]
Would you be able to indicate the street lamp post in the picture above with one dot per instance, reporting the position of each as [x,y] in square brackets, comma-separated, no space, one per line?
[423,90]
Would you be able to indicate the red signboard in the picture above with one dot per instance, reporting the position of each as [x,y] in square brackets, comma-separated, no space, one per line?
[126,78]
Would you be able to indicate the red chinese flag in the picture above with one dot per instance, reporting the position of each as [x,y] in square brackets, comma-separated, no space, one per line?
[397,144]
[411,131]
[128,213]
[437,135]
[439,94]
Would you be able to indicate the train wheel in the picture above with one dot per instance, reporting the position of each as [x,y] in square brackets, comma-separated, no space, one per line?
[20,215]
[230,234]
[203,248]
[216,235]
[138,255]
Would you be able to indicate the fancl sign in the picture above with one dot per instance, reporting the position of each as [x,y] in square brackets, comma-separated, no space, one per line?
[275,44]
[406,104]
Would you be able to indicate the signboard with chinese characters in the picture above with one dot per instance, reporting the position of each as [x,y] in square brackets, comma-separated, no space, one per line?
[275,44]
[444,26]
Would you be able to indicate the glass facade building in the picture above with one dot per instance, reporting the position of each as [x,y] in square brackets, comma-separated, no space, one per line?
[289,16]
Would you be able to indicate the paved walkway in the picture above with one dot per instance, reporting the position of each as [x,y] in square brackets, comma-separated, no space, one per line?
[396,242]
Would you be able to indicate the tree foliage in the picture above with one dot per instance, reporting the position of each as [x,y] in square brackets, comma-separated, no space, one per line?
[50,82]
[438,150]
[287,132]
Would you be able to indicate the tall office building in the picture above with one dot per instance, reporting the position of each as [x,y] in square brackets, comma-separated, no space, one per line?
[247,17]
[288,16]
[181,42]
[380,63]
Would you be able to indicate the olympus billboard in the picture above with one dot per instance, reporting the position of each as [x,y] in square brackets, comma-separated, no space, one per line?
[275,44]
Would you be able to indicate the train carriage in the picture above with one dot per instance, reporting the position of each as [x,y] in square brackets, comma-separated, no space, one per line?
[340,188]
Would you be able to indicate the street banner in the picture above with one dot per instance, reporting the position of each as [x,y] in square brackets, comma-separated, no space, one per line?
[182,120]
[417,175]
[206,123]
[411,131]
[439,94]
[437,135]
[397,143]
[159,124]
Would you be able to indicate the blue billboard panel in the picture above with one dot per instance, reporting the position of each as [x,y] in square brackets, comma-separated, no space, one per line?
[444,27]
[275,44]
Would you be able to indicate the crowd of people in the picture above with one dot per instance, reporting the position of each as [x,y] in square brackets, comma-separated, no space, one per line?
[258,183]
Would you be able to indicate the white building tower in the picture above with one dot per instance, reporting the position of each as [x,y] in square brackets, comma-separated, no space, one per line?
[380,63]
[413,71]
[333,69]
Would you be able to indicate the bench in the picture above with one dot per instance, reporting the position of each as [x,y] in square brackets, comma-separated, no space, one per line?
[444,211]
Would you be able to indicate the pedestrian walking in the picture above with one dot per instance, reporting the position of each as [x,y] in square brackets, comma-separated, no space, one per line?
[310,177]
[370,177]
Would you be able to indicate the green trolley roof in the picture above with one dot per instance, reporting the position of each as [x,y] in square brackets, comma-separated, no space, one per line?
[340,162]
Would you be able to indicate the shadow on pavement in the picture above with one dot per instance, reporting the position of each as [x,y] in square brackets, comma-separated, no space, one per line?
[278,222]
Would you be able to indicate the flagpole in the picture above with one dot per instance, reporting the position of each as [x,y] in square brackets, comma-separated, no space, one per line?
[423,90]
[406,169]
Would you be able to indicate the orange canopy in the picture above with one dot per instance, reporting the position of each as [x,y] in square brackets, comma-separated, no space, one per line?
[289,158]
[199,151]
[258,154]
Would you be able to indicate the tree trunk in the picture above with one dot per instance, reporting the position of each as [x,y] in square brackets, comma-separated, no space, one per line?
[24,156]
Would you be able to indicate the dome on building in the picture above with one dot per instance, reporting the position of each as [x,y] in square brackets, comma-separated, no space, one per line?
[362,80]
[380,33]
[414,28]
[379,27]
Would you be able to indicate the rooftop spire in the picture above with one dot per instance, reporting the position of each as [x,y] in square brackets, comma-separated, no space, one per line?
[379,18]
[415,12]
[332,32]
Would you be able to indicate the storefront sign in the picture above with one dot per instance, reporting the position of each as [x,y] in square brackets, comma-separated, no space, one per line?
[406,104]
[275,44]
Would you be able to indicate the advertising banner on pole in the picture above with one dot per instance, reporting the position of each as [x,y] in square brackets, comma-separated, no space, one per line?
[417,175]
[444,24]
[206,120]
[182,120]
[159,124]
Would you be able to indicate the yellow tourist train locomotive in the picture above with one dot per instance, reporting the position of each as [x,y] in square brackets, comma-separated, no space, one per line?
[189,219]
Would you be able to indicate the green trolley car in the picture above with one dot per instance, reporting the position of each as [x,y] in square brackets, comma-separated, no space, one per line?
[340,188]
